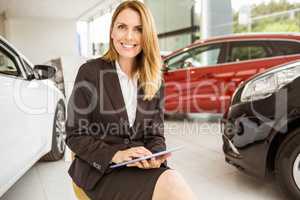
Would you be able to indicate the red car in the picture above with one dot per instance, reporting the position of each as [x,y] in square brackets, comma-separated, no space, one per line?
[202,77]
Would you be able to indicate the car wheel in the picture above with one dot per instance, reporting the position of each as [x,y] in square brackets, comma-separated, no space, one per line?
[58,135]
[287,165]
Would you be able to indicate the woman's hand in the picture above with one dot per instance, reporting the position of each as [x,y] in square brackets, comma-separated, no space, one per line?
[152,163]
[129,154]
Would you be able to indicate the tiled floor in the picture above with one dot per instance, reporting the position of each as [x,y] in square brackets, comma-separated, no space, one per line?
[201,162]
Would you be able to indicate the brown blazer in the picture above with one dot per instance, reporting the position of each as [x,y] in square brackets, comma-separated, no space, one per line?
[97,123]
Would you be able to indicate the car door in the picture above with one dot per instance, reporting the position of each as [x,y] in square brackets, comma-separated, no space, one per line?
[204,86]
[176,84]
[195,89]
[38,99]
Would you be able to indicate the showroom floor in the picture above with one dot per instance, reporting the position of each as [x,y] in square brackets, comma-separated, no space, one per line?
[201,162]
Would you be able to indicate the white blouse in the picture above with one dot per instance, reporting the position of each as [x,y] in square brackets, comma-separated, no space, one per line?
[129,91]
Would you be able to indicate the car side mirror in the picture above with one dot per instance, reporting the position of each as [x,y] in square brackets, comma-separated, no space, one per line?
[45,71]
[186,64]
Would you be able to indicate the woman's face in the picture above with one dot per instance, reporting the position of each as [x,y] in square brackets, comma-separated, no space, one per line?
[127,34]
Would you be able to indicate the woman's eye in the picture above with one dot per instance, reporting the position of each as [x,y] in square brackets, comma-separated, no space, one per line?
[121,27]
[139,30]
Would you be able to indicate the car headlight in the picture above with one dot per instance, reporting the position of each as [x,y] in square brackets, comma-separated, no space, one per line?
[267,83]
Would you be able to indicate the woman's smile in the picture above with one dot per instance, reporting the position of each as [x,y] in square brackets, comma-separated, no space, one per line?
[128,46]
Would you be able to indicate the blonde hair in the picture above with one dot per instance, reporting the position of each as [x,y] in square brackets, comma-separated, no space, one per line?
[148,62]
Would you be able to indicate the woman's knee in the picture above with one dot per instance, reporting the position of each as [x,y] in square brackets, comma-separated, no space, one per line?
[170,185]
[170,177]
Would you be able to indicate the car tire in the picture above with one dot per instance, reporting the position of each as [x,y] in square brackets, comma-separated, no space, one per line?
[287,165]
[58,135]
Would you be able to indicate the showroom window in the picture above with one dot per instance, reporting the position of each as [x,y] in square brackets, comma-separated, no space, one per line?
[93,29]
[266,16]
[177,23]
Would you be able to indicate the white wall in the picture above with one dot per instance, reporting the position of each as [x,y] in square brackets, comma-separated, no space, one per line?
[42,39]
[71,66]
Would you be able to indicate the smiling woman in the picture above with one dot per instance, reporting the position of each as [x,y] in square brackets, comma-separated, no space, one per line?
[133,34]
[127,34]
[122,92]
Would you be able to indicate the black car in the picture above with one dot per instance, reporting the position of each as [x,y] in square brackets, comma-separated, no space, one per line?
[261,128]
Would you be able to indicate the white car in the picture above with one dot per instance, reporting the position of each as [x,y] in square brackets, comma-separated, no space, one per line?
[32,115]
